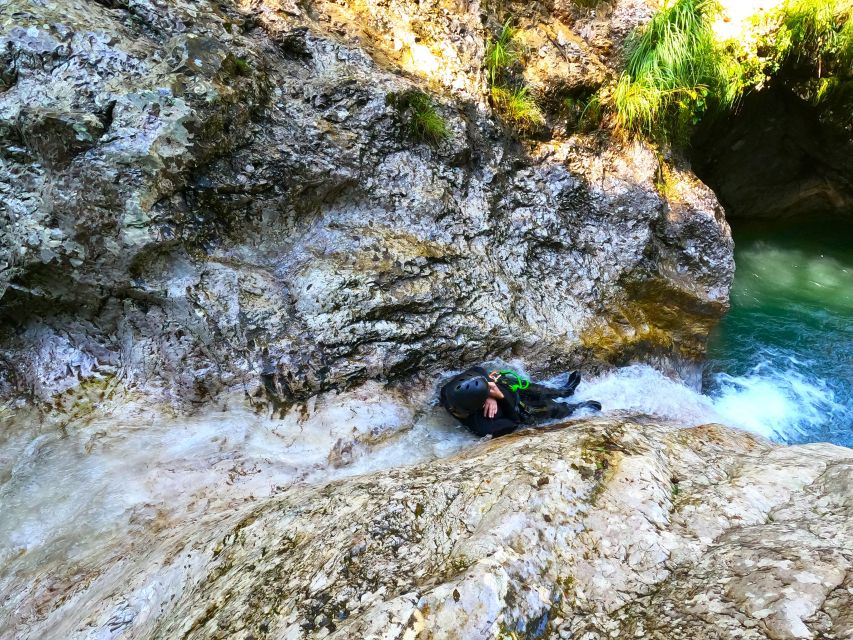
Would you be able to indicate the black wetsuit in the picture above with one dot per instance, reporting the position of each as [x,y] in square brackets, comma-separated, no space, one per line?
[529,406]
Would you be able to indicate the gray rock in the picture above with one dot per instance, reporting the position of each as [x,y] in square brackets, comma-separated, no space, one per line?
[602,528]
[138,245]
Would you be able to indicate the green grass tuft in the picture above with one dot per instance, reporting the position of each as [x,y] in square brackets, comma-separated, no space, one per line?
[517,107]
[423,121]
[501,53]
[815,32]
[815,39]
[511,100]
[675,71]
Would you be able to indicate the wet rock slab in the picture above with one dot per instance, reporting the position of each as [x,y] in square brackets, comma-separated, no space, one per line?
[601,529]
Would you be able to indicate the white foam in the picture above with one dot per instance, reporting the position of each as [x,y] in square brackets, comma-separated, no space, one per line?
[100,477]
[77,498]
[642,389]
[777,403]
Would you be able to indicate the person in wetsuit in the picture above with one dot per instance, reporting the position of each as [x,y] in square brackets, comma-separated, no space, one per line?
[499,402]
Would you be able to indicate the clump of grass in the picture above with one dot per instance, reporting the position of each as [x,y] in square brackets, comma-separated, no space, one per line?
[816,31]
[675,71]
[815,39]
[501,53]
[511,100]
[423,121]
[517,107]
[834,92]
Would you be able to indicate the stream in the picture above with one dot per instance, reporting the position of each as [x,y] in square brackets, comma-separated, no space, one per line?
[780,364]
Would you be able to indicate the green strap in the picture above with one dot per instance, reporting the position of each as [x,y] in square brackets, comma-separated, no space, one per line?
[519,384]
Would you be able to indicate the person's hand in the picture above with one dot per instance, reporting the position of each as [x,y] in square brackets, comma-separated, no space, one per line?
[490,409]
[495,392]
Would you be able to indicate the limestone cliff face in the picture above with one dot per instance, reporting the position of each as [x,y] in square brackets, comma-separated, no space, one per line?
[204,196]
[617,528]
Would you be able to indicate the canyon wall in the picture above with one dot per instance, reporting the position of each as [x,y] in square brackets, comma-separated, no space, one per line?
[203,197]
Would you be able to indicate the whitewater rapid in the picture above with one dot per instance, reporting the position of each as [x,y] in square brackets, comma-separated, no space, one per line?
[112,494]
[94,479]
[781,404]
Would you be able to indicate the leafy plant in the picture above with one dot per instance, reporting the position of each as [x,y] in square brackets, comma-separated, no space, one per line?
[814,31]
[517,107]
[501,52]
[675,71]
[423,121]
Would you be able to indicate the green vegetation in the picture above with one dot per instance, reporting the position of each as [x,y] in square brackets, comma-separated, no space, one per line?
[676,490]
[665,182]
[518,108]
[237,67]
[675,71]
[816,32]
[510,98]
[501,53]
[243,67]
[423,121]
[583,113]
[815,39]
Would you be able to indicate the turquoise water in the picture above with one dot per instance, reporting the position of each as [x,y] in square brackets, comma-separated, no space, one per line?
[781,362]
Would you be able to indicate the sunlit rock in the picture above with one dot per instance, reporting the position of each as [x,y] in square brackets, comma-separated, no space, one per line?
[616,527]
[199,200]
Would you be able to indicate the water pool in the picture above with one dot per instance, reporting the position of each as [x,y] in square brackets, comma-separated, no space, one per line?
[781,362]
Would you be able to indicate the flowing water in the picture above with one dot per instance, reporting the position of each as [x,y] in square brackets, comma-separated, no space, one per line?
[781,362]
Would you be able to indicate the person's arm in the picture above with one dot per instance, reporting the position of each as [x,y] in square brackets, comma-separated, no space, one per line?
[509,403]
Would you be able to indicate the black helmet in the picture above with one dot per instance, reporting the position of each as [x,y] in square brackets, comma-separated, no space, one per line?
[466,394]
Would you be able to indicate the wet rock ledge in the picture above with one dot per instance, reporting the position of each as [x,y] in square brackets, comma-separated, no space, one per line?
[619,528]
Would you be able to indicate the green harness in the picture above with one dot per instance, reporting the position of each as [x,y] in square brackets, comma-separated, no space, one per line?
[519,384]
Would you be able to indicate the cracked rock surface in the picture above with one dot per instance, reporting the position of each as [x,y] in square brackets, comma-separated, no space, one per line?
[200,197]
[604,528]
